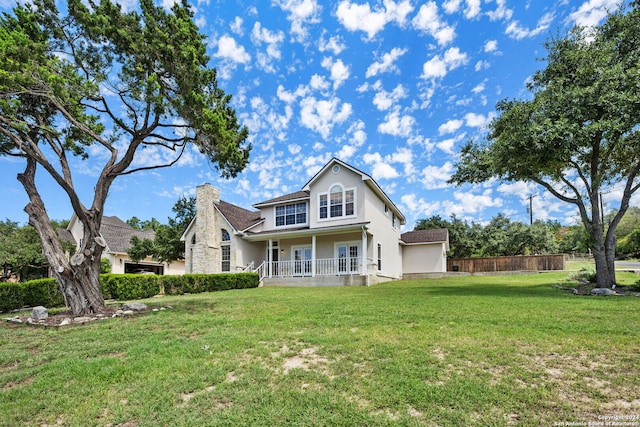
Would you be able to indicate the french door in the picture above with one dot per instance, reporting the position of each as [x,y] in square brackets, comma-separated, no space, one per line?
[302,261]
[348,258]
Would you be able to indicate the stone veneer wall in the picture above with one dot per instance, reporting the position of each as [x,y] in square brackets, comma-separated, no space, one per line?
[206,252]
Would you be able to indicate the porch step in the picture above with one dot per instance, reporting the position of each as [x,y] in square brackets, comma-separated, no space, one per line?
[318,281]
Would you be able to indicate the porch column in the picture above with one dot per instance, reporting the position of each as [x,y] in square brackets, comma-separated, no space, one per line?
[269,255]
[364,252]
[313,256]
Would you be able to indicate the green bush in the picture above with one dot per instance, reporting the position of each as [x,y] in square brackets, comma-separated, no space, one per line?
[130,286]
[197,283]
[46,292]
[10,296]
[585,274]
[43,292]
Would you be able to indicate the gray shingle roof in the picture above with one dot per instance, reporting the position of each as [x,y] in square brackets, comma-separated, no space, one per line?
[291,196]
[118,233]
[425,236]
[238,217]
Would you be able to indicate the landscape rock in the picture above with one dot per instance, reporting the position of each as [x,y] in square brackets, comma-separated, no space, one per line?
[39,312]
[82,319]
[603,291]
[134,306]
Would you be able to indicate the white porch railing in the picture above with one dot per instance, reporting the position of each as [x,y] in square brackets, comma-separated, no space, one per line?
[323,267]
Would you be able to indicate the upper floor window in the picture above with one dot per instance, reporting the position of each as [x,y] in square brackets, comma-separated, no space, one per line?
[225,235]
[337,203]
[295,213]
[193,239]
[393,220]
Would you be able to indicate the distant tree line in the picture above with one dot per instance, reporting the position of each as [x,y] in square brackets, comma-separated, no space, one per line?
[504,237]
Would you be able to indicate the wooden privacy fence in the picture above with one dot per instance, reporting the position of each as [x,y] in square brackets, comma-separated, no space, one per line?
[506,263]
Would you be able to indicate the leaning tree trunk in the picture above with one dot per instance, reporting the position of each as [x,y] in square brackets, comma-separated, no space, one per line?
[78,277]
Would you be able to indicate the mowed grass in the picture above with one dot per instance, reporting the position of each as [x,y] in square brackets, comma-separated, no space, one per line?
[485,351]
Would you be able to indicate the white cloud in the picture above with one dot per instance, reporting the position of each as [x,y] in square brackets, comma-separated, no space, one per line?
[446,145]
[429,21]
[356,140]
[386,63]
[260,35]
[396,124]
[501,12]
[450,127]
[438,67]
[404,155]
[229,49]
[335,44]
[236,26]
[479,88]
[591,12]
[481,65]
[384,100]
[339,71]
[491,46]
[360,17]
[471,10]
[318,82]
[435,177]
[516,31]
[301,13]
[321,115]
[478,120]
[451,6]
[474,203]
[381,169]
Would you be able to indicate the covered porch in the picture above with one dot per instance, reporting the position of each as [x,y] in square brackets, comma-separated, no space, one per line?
[340,252]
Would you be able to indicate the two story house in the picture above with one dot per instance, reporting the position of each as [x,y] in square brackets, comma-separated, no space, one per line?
[339,229]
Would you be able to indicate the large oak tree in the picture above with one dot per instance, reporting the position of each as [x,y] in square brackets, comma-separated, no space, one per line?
[96,79]
[579,134]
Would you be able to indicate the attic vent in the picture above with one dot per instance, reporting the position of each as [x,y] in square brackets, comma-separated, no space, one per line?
[336,169]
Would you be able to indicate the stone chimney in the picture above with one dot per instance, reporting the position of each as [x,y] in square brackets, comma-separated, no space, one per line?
[204,254]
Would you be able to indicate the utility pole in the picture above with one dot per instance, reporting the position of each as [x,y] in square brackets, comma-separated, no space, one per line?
[531,208]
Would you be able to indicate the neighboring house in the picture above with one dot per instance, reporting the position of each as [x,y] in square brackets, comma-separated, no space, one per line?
[117,236]
[340,229]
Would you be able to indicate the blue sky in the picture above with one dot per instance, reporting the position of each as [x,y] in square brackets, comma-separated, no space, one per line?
[394,88]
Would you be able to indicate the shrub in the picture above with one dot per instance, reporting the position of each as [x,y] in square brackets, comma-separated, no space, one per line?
[585,274]
[130,286]
[10,296]
[197,283]
[43,292]
[105,266]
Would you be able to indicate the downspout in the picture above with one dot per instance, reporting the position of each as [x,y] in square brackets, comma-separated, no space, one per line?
[364,255]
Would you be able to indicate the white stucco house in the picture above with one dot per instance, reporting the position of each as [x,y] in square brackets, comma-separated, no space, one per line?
[117,236]
[339,229]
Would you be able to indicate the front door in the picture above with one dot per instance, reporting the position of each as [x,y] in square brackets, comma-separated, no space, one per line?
[302,261]
[348,259]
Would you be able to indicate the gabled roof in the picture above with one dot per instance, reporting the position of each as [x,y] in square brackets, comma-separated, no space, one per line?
[365,177]
[426,236]
[117,234]
[238,217]
[298,195]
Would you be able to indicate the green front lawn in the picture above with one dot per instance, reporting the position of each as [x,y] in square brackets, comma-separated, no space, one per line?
[507,350]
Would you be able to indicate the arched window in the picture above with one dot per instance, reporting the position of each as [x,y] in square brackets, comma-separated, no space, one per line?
[337,203]
[225,235]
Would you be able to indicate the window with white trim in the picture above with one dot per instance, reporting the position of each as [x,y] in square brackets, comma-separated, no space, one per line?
[226,257]
[337,203]
[295,213]
[379,257]
[225,235]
